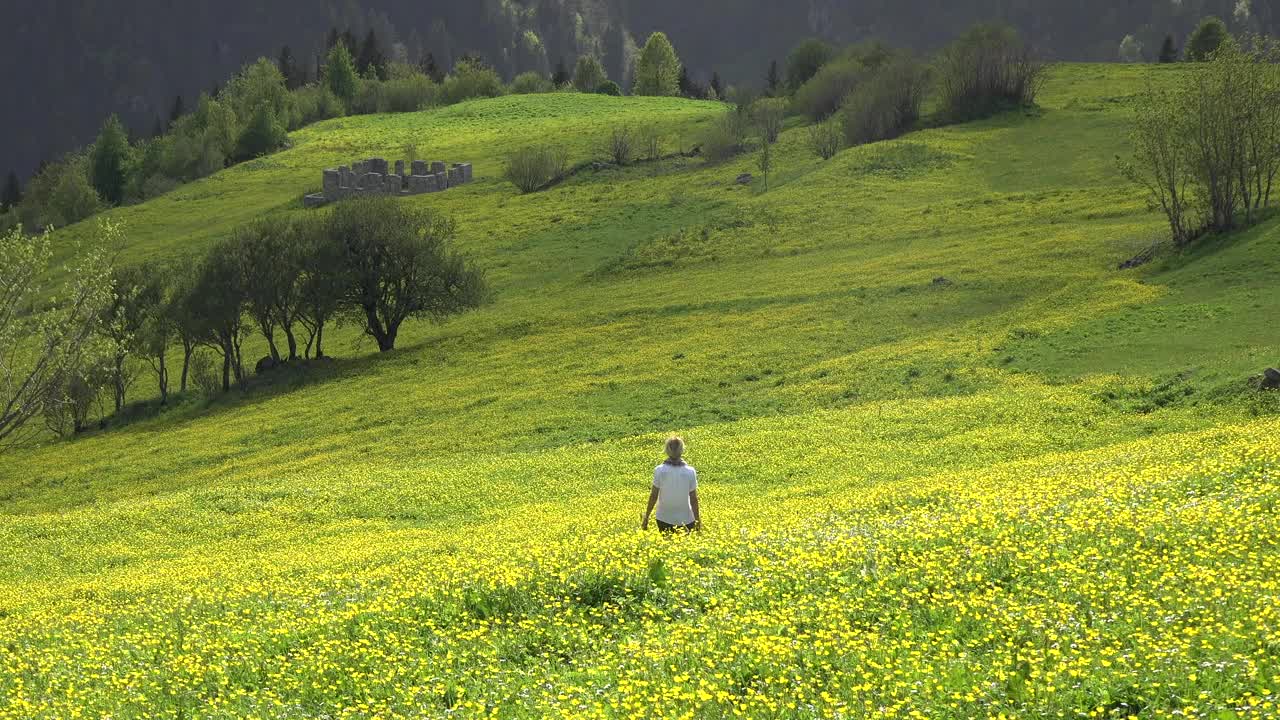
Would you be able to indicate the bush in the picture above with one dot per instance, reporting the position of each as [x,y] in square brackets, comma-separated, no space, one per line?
[531,83]
[768,114]
[806,60]
[470,79]
[609,87]
[73,197]
[825,139]
[885,105]
[989,69]
[620,146]
[649,142]
[408,93]
[1205,40]
[822,95]
[534,167]
[259,85]
[314,103]
[262,135]
[726,137]
[368,97]
[204,373]
[588,74]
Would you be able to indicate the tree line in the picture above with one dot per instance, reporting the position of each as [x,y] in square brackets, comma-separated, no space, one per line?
[371,263]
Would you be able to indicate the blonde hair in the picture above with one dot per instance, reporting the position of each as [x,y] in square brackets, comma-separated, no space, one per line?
[675,447]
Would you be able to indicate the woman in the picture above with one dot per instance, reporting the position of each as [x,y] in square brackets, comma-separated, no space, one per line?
[674,492]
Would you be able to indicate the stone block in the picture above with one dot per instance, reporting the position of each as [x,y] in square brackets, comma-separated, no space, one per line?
[455,177]
[438,167]
[419,167]
[400,168]
[371,181]
[331,183]
[315,200]
[442,181]
[378,165]
[393,184]
[466,172]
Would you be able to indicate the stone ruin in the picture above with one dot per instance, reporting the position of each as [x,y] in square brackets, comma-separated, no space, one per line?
[375,177]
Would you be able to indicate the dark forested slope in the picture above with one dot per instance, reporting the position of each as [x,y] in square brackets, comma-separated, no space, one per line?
[69,63]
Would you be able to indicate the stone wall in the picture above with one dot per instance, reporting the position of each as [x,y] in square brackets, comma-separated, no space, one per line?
[375,177]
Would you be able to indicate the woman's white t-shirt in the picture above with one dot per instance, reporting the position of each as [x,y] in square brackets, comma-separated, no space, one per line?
[674,483]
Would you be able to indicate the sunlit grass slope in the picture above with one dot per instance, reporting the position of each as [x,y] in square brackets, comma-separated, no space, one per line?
[953,462]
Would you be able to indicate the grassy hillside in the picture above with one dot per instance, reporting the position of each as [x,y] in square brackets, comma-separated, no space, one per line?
[952,461]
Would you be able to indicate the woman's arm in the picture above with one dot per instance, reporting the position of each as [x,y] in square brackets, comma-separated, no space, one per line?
[653,500]
[697,514]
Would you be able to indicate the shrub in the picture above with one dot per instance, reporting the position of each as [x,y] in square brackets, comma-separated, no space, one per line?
[262,135]
[727,136]
[531,83]
[768,114]
[987,70]
[368,97]
[1130,49]
[886,104]
[609,87]
[1205,40]
[407,93]
[806,60]
[533,167]
[314,103]
[258,85]
[825,92]
[470,79]
[658,68]
[588,74]
[620,146]
[649,142]
[824,139]
[204,373]
[73,199]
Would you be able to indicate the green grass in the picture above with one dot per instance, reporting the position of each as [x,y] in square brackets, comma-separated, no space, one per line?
[828,383]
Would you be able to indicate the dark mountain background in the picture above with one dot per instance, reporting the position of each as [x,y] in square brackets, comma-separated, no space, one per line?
[70,63]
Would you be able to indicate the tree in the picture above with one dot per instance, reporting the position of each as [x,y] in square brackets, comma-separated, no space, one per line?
[109,162]
[588,74]
[186,323]
[263,134]
[765,162]
[806,60]
[773,80]
[560,78]
[323,278]
[768,114]
[73,198]
[340,74]
[270,272]
[132,291]
[1168,51]
[12,193]
[400,266]
[178,110]
[372,61]
[158,329]
[40,351]
[716,86]
[658,70]
[1205,40]
[1130,49]
[289,68]
[217,306]
[431,69]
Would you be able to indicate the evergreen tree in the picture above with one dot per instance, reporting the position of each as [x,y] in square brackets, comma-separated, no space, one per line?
[658,71]
[12,193]
[773,81]
[158,129]
[1168,51]
[340,73]
[561,76]
[717,86]
[288,68]
[178,110]
[431,69]
[372,61]
[615,53]
[332,39]
[109,163]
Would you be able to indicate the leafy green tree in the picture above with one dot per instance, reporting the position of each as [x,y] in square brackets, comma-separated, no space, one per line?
[109,162]
[217,309]
[806,60]
[340,73]
[158,330]
[134,291]
[73,198]
[400,266]
[471,78]
[271,272]
[39,351]
[588,74]
[1205,40]
[768,114]
[322,281]
[658,68]
[1168,51]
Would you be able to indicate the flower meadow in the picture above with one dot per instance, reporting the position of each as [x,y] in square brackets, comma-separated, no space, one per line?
[953,464]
